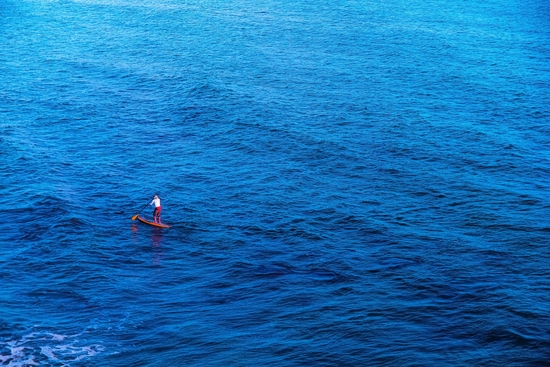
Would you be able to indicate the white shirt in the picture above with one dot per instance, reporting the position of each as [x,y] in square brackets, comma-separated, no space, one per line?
[156,202]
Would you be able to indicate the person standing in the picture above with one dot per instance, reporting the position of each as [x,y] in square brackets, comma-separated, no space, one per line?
[158,209]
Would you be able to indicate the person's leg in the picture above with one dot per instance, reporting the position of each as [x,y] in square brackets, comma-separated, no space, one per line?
[155,215]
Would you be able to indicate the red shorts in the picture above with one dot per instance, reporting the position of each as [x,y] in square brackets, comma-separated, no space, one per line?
[158,208]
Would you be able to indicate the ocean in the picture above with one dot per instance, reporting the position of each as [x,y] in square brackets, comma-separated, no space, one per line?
[348,183]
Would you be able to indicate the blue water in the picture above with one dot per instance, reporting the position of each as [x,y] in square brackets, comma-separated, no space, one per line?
[349,183]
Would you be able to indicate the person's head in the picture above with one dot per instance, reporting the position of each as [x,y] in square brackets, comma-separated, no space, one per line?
[156,196]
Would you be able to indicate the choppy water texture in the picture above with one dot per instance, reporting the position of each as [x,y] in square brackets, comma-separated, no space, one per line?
[348,183]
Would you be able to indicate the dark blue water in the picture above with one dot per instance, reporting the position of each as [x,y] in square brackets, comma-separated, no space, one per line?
[349,183]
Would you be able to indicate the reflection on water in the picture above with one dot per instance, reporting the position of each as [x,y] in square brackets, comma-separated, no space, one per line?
[156,238]
[156,242]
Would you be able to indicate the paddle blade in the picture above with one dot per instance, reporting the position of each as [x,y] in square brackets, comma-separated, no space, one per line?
[135,216]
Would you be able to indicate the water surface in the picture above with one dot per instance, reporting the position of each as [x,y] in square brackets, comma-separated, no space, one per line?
[348,183]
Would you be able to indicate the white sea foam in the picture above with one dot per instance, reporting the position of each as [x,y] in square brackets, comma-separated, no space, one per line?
[37,347]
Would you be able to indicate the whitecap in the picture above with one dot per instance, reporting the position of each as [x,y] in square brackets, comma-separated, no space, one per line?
[33,348]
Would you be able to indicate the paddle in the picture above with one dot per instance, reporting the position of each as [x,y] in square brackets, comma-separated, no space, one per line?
[135,216]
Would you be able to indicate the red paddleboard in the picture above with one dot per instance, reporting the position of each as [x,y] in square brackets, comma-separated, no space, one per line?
[161,225]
